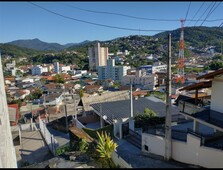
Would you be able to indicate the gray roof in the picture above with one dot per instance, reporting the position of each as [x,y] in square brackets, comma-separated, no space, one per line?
[121,109]
[104,97]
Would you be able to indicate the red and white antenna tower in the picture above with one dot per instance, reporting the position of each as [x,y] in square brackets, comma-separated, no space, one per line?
[180,65]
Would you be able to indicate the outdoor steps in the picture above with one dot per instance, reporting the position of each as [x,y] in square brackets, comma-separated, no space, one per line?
[134,140]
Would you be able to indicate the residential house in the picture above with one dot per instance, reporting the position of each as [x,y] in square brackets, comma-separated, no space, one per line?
[38,70]
[90,89]
[119,112]
[141,80]
[104,97]
[13,114]
[64,69]
[52,99]
[139,93]
[21,94]
[24,85]
[198,140]
[88,82]
[28,80]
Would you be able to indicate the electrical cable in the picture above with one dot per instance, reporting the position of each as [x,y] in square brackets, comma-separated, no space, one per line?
[92,23]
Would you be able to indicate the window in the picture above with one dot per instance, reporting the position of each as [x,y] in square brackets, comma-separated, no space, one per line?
[146,147]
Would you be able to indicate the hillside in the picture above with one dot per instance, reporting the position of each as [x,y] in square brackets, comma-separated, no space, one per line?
[38,45]
[15,51]
[198,37]
[139,46]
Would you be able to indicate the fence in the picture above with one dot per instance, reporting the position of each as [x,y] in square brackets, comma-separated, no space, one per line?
[50,140]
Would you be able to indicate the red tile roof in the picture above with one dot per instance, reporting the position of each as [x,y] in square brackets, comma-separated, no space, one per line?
[139,93]
[16,106]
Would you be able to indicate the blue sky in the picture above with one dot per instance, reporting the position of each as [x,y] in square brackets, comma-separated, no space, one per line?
[22,20]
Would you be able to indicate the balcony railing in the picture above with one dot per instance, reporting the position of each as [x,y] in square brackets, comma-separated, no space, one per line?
[189,108]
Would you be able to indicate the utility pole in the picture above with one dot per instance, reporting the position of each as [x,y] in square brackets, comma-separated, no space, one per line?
[131,101]
[221,47]
[75,110]
[101,119]
[168,149]
[65,109]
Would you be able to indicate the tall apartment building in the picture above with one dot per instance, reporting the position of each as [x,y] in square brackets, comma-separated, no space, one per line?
[97,56]
[7,149]
[141,80]
[56,67]
[111,71]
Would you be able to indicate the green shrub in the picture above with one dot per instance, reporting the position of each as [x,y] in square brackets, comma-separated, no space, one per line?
[63,149]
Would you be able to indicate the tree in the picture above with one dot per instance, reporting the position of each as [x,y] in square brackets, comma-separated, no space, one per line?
[215,65]
[150,112]
[105,147]
[58,78]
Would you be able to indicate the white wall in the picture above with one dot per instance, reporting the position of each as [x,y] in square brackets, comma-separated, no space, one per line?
[217,93]
[187,152]
[156,144]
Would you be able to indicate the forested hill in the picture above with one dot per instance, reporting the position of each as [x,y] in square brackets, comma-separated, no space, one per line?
[17,52]
[198,37]
[36,44]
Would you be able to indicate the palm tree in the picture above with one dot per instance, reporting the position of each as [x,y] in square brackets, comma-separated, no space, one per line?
[105,147]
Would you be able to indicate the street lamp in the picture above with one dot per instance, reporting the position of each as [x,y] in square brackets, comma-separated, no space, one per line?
[105,117]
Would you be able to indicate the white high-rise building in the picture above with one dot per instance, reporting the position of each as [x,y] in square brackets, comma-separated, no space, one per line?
[56,67]
[111,71]
[7,149]
[97,56]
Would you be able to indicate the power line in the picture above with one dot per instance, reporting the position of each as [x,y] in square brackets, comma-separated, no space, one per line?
[208,13]
[135,17]
[92,23]
[211,12]
[221,24]
[203,13]
[187,11]
[196,13]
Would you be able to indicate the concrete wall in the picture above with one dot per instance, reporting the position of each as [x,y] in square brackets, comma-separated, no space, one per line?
[187,152]
[217,93]
[7,150]
[156,144]
[119,161]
